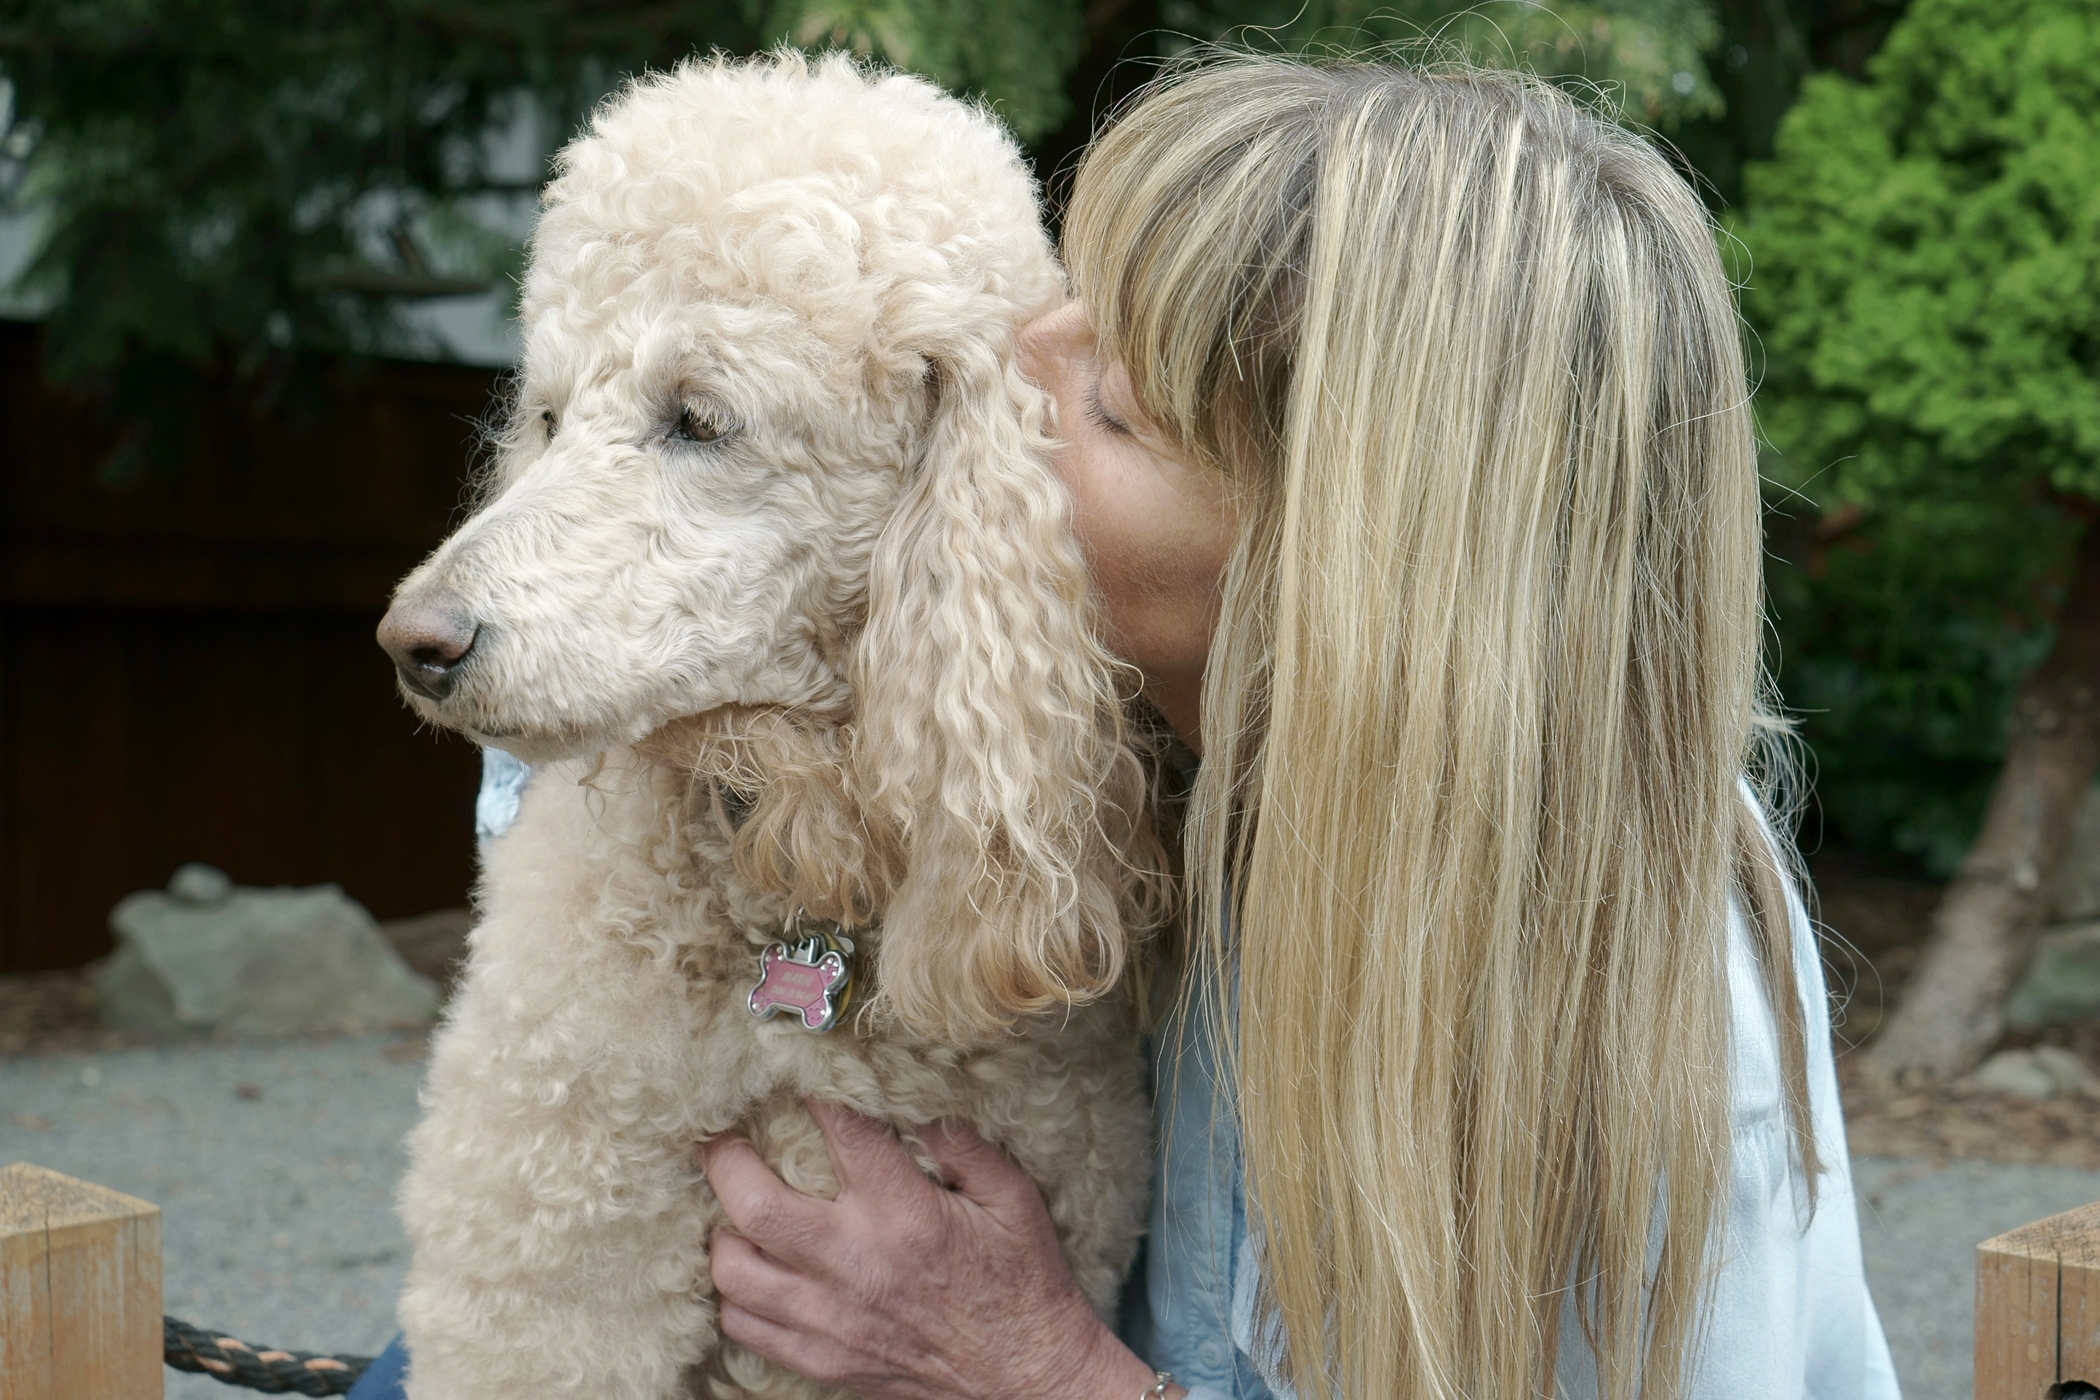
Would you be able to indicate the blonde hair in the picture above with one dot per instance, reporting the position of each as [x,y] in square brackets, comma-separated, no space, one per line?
[1479,702]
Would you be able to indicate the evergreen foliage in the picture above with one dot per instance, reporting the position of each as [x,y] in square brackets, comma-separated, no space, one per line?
[226,181]
[1926,251]
[1647,58]
[237,177]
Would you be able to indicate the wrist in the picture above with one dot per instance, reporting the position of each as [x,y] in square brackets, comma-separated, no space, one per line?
[1115,1372]
[1161,1385]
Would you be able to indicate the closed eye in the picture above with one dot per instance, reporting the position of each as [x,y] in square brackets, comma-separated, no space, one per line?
[1098,413]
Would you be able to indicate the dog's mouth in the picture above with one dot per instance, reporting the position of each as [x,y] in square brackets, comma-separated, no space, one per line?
[430,682]
[460,709]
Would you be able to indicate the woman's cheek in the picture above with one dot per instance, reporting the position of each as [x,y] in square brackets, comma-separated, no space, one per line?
[1171,606]
[1123,583]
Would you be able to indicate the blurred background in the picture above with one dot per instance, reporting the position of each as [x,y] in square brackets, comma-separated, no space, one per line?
[257,264]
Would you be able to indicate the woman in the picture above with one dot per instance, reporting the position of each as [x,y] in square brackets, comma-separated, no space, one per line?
[1407,427]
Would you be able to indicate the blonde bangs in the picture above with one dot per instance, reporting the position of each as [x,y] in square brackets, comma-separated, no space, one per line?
[1479,705]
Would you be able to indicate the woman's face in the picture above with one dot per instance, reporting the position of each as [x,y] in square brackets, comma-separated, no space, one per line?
[1156,525]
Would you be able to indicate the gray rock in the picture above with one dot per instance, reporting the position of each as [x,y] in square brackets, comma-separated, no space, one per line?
[434,944]
[2062,985]
[2015,1072]
[212,956]
[2078,882]
[200,884]
[2064,1066]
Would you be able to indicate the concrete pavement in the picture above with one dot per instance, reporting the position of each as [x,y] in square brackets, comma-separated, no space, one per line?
[275,1165]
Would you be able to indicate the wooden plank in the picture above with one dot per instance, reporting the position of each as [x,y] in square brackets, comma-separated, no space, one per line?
[2038,1308]
[79,1290]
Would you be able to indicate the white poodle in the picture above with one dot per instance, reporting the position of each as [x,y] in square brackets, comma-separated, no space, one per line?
[773,583]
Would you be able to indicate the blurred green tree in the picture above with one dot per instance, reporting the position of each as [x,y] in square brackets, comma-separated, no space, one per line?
[223,181]
[1765,50]
[1926,250]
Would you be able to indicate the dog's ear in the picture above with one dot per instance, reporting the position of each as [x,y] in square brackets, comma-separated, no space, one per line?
[989,723]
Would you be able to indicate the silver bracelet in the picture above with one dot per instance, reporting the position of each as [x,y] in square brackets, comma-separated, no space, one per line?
[1158,1389]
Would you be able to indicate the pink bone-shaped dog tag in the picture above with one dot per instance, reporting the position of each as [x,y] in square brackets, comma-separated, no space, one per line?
[787,983]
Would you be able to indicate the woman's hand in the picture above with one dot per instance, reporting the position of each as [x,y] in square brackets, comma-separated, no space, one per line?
[902,1289]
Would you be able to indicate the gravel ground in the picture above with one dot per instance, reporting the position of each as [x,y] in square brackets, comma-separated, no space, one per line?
[275,1165]
[1920,1221]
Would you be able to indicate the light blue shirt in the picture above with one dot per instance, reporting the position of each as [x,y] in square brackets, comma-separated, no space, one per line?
[1789,1317]
[503,781]
[1189,1307]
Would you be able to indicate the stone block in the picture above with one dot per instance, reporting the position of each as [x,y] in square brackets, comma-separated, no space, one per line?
[2015,1072]
[2070,1072]
[207,955]
[2078,881]
[2062,985]
[434,944]
[2042,1072]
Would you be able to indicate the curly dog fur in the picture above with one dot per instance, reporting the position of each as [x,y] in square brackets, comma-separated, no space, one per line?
[774,585]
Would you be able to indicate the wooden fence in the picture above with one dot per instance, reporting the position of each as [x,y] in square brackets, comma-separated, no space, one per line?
[187,669]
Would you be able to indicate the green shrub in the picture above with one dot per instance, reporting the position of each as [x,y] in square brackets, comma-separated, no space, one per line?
[1924,252]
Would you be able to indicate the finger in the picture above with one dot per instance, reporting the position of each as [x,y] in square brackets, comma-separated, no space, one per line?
[980,1171]
[763,1209]
[777,1342]
[866,1155]
[751,1278]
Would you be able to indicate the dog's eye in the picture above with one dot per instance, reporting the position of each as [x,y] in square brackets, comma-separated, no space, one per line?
[701,425]
[551,421]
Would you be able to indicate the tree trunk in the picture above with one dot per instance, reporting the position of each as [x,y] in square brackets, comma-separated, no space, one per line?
[1983,931]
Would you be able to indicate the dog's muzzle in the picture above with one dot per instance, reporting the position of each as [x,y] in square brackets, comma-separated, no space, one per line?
[430,636]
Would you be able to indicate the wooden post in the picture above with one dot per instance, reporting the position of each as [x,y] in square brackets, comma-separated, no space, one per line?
[79,1290]
[2038,1308]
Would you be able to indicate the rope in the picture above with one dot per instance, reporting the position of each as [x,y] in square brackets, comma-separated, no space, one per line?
[230,1361]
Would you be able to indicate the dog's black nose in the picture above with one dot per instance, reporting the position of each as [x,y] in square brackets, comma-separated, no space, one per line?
[429,636]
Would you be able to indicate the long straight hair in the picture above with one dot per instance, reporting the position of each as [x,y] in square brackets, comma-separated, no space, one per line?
[1478,706]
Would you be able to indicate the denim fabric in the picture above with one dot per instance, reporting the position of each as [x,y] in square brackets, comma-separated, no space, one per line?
[1199,1274]
[1191,1302]
[382,1379]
